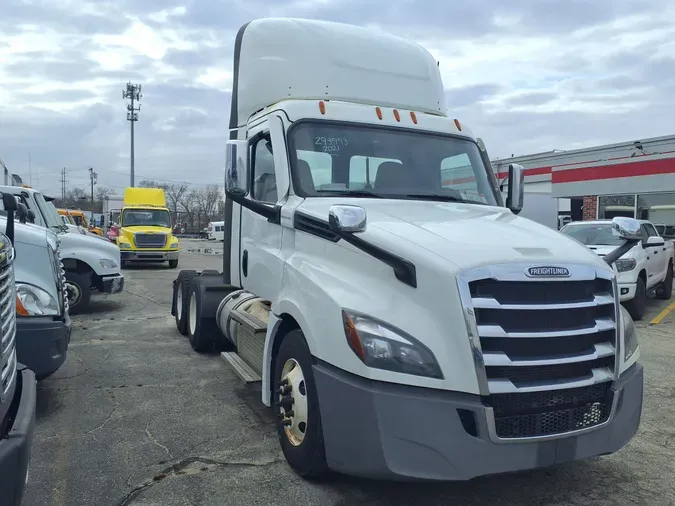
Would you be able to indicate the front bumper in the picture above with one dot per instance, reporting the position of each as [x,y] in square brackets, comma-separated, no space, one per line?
[15,448]
[112,284]
[149,255]
[389,431]
[42,343]
[627,291]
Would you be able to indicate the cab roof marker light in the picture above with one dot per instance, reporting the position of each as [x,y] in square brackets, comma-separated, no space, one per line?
[397,115]
[379,112]
[413,117]
[322,107]
[458,125]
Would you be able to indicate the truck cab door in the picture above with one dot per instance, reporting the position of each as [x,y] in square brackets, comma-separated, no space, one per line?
[260,264]
[657,262]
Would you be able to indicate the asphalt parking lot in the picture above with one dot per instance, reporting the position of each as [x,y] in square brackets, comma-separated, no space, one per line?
[135,417]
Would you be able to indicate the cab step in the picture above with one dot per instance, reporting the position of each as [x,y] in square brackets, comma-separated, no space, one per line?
[240,367]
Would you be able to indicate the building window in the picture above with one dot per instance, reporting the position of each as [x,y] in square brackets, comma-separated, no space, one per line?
[610,206]
[659,208]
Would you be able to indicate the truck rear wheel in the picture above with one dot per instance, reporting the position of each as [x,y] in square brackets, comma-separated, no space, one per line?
[78,288]
[665,291]
[202,332]
[636,306]
[180,299]
[297,408]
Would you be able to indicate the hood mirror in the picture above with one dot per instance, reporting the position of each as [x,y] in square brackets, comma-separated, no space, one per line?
[347,219]
[626,228]
[516,190]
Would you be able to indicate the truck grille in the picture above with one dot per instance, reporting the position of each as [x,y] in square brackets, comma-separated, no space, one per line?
[61,283]
[145,240]
[545,347]
[7,321]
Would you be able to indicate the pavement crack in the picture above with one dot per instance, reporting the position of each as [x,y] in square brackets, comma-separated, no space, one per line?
[155,442]
[144,297]
[182,467]
[110,415]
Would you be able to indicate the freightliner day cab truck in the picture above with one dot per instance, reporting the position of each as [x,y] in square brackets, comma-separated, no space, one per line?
[17,382]
[145,233]
[42,321]
[91,263]
[401,320]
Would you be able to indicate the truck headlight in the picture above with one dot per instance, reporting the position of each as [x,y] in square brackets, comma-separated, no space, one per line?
[625,264]
[383,347]
[174,245]
[34,301]
[630,340]
[107,263]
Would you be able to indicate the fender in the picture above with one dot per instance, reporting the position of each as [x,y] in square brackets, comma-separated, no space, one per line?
[284,307]
[91,251]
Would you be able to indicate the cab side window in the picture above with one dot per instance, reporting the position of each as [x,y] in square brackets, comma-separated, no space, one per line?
[264,185]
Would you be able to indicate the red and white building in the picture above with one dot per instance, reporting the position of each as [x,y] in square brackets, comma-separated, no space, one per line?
[604,181]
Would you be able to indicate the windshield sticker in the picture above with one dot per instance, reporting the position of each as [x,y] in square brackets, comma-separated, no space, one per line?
[331,144]
[473,196]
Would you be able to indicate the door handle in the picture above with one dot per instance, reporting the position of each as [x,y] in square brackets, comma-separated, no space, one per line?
[244,263]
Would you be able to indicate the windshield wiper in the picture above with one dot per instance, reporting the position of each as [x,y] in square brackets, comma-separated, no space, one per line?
[443,198]
[353,193]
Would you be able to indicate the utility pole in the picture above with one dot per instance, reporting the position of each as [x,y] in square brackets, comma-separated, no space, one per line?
[133,94]
[63,185]
[92,179]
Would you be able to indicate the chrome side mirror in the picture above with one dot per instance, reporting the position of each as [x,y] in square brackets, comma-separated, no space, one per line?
[516,192]
[346,218]
[626,228]
[236,168]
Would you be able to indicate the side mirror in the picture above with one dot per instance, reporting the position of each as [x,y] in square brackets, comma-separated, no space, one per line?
[22,212]
[347,219]
[31,216]
[626,228]
[656,241]
[10,205]
[236,168]
[516,193]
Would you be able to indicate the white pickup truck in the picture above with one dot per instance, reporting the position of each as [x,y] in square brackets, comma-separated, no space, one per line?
[646,268]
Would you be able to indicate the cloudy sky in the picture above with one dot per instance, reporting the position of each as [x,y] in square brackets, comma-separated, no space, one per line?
[526,75]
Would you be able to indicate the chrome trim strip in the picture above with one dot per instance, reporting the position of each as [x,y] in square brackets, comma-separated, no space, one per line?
[472,331]
[601,325]
[492,427]
[8,366]
[490,303]
[601,350]
[505,386]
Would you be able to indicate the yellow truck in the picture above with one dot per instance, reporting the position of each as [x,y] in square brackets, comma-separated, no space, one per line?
[145,231]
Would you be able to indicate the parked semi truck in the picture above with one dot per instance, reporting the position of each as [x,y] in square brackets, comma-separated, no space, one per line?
[402,321]
[145,232]
[17,382]
[92,263]
[42,321]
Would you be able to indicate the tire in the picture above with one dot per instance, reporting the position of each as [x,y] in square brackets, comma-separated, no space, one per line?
[665,291]
[180,302]
[636,306]
[173,264]
[78,286]
[123,264]
[306,456]
[202,332]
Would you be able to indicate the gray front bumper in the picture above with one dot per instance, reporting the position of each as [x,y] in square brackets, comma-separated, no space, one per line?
[42,343]
[148,256]
[389,431]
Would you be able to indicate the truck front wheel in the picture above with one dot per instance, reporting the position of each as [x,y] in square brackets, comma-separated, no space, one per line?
[78,287]
[636,306]
[297,408]
[173,264]
[665,291]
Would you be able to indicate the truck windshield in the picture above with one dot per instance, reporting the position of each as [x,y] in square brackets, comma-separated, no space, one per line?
[146,218]
[593,234]
[336,159]
[49,212]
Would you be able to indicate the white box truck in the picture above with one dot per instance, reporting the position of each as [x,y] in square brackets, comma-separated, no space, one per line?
[402,321]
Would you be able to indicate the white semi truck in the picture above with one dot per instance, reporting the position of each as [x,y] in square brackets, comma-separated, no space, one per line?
[401,320]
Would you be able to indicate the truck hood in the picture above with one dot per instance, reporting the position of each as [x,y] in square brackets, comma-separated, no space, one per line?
[26,233]
[75,241]
[602,249]
[465,235]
